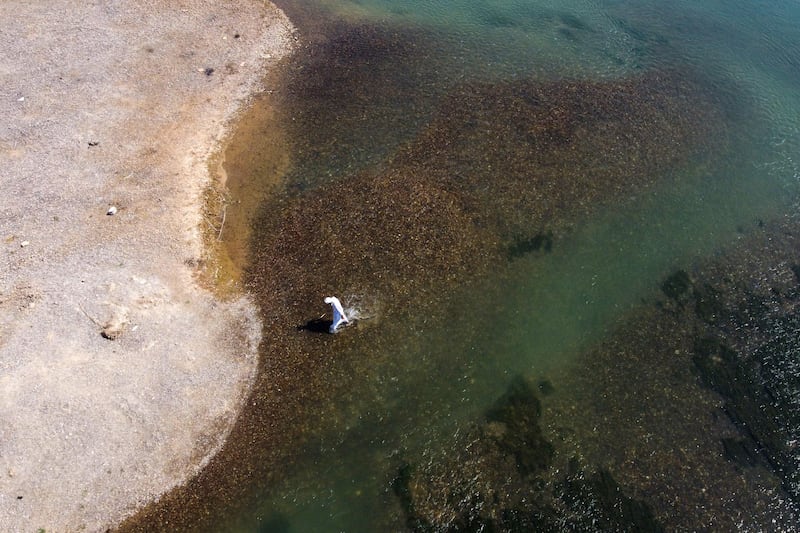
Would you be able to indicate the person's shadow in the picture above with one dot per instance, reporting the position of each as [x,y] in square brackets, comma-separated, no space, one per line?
[316,325]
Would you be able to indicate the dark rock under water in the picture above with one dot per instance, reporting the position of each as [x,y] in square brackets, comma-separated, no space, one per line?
[759,379]
[700,388]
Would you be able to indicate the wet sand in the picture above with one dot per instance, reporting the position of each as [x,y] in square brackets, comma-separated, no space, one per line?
[120,374]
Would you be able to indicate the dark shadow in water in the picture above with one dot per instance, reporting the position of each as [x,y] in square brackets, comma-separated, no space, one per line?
[316,325]
[521,247]
[573,22]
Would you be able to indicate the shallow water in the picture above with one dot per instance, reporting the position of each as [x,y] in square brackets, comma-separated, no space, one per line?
[539,312]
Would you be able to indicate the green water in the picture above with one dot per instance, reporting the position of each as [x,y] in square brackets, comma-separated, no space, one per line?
[547,308]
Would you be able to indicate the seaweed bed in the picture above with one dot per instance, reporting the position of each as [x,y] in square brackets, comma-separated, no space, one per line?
[499,171]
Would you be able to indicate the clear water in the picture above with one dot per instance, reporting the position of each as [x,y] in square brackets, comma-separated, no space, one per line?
[549,307]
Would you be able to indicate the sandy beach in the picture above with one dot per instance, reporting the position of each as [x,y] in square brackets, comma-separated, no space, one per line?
[120,374]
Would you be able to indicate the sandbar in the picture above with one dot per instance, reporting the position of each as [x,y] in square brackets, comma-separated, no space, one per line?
[120,372]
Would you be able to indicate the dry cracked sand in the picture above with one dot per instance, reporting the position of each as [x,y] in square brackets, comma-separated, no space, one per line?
[120,104]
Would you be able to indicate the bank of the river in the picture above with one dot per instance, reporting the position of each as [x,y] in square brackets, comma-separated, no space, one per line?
[119,374]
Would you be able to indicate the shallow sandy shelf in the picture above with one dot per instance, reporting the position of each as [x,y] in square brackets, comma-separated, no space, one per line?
[107,104]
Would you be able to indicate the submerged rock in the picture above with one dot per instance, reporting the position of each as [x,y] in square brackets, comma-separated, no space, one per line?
[676,285]
[514,423]
[759,388]
[598,503]
[700,389]
[748,310]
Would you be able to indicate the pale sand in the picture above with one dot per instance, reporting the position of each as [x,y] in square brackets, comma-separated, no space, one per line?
[92,428]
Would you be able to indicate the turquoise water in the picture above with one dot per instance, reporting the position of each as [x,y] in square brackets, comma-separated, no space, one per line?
[547,308]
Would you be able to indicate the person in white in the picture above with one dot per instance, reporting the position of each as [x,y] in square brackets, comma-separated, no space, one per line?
[338,313]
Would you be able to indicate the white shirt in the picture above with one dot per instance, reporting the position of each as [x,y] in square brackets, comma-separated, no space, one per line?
[338,313]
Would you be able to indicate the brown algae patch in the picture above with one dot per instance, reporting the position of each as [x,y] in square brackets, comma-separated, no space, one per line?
[357,93]
[528,153]
[497,162]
